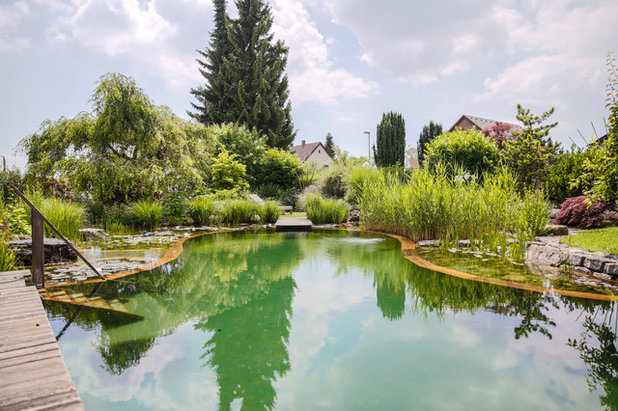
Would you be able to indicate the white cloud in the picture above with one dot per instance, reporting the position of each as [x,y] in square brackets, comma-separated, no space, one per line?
[10,18]
[561,47]
[424,42]
[313,75]
[118,26]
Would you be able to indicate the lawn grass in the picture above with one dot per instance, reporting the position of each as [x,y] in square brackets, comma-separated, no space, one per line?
[603,239]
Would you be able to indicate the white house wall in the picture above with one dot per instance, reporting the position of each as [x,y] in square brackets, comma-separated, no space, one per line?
[319,157]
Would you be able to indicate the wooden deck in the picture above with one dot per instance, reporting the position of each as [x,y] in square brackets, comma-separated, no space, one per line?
[293,224]
[32,371]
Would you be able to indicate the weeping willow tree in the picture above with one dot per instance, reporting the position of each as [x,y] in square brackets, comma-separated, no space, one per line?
[126,149]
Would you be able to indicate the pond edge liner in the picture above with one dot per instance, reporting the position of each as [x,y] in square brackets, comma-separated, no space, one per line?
[408,250]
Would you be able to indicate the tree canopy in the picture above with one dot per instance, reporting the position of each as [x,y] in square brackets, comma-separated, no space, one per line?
[429,132]
[391,141]
[126,149]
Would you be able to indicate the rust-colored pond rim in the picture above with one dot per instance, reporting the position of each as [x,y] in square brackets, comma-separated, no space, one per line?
[408,249]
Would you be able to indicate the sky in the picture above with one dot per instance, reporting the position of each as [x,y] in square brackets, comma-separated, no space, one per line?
[349,61]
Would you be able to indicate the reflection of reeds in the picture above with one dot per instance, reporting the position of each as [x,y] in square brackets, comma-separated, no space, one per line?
[435,206]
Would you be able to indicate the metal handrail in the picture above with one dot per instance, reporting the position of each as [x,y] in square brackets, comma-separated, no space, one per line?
[38,262]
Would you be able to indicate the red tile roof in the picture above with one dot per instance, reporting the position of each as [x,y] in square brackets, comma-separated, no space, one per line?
[304,150]
[484,123]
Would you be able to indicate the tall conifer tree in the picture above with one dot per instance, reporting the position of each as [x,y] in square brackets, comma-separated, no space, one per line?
[391,141]
[329,145]
[257,82]
[213,106]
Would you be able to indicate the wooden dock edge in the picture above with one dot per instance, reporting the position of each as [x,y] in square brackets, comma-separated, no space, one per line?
[33,374]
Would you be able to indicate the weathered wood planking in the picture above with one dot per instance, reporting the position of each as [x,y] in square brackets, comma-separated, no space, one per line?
[32,371]
[291,224]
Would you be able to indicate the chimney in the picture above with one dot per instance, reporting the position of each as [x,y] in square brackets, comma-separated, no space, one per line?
[302,143]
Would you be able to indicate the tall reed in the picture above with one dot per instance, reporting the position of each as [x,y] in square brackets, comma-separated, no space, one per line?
[484,209]
[269,212]
[201,210]
[239,211]
[68,217]
[322,210]
[147,214]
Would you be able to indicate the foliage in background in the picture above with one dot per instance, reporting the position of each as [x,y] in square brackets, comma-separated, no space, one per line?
[601,168]
[212,101]
[8,178]
[127,149]
[308,175]
[238,211]
[201,210]
[581,212]
[175,207]
[228,173]
[356,178]
[269,212]
[603,239]
[468,149]
[279,167]
[67,216]
[429,132]
[254,71]
[329,145]
[532,152]
[500,133]
[563,174]
[248,146]
[322,210]
[334,184]
[428,205]
[147,214]
[7,258]
[390,149]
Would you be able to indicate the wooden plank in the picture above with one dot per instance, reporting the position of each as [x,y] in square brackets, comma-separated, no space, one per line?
[288,224]
[33,374]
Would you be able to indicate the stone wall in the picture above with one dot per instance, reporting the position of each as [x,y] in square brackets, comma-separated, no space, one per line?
[545,254]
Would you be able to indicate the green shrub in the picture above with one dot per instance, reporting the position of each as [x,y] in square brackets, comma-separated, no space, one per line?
[175,207]
[66,216]
[147,214]
[334,184]
[228,173]
[7,258]
[238,211]
[563,174]
[269,212]
[469,149]
[270,190]
[322,210]
[201,210]
[279,167]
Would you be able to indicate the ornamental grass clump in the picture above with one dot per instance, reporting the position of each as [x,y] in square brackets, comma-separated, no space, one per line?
[68,217]
[147,214]
[322,210]
[269,212]
[450,206]
[201,210]
[238,211]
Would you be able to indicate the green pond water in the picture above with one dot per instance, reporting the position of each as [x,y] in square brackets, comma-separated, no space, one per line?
[332,321]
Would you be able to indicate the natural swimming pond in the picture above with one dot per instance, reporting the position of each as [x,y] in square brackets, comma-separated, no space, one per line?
[332,320]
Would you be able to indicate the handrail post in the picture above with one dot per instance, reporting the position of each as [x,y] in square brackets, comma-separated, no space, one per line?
[38,251]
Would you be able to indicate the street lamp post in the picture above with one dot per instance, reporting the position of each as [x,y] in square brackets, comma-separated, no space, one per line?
[368,146]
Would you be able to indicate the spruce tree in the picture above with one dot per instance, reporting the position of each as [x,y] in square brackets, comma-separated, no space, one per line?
[391,141]
[329,145]
[429,132]
[257,82]
[213,106]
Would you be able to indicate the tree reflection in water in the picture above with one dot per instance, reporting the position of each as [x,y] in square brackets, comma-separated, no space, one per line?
[239,289]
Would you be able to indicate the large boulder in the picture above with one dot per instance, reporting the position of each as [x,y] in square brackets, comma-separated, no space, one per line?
[56,251]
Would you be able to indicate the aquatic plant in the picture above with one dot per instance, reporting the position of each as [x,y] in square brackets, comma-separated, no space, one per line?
[424,205]
[322,210]
[147,214]
[201,210]
[269,212]
[238,211]
[68,217]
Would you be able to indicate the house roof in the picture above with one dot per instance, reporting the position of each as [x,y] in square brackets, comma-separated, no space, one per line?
[305,150]
[483,123]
